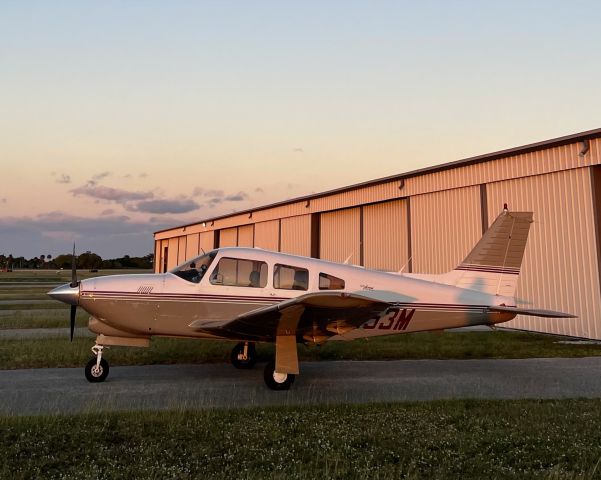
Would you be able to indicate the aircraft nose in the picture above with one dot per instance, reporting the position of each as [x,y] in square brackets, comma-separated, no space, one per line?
[66,294]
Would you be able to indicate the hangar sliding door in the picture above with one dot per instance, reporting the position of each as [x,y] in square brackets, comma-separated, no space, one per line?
[340,236]
[267,235]
[560,268]
[246,235]
[228,237]
[386,236]
[445,226]
[172,253]
[296,235]
[206,242]
[192,246]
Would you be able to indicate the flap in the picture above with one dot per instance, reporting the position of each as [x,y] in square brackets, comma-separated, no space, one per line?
[532,312]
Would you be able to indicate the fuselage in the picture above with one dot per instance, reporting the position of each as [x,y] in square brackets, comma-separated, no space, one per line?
[239,280]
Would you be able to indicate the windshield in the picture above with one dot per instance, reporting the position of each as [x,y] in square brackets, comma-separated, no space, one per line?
[193,270]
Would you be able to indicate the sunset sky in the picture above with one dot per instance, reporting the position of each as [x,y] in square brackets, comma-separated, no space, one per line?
[121,118]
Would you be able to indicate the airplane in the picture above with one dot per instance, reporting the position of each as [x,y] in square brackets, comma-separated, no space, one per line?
[250,295]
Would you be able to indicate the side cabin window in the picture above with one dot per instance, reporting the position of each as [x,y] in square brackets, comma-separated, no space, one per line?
[236,272]
[290,278]
[330,282]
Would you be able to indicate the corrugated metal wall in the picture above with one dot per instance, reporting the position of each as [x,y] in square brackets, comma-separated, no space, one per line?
[386,236]
[340,236]
[228,237]
[445,226]
[560,264]
[246,236]
[267,235]
[296,235]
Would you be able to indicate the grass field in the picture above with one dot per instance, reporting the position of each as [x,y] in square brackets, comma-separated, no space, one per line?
[435,440]
[59,352]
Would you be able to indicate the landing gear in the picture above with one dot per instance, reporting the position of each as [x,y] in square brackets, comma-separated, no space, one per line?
[275,380]
[244,356]
[97,369]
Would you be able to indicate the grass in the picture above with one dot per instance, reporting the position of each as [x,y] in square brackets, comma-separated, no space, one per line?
[434,440]
[59,352]
[43,318]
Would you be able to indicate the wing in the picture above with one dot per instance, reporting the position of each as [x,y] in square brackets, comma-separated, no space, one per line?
[532,312]
[315,317]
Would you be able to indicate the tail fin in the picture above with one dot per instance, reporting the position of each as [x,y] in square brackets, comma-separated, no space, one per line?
[494,264]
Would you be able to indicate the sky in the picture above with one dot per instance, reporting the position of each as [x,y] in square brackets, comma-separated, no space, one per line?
[118,119]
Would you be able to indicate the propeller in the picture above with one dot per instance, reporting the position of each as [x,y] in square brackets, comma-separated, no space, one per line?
[74,283]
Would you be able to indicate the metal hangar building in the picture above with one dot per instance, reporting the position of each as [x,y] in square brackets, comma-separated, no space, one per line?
[429,219]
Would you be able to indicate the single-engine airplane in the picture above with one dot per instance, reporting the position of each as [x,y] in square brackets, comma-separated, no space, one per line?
[249,295]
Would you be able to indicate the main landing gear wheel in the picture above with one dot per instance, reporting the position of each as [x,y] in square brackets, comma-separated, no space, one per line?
[244,356]
[275,380]
[97,372]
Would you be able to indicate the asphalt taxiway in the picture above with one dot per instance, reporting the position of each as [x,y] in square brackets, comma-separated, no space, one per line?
[65,390]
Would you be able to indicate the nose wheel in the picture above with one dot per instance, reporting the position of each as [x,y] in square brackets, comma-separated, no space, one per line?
[244,356]
[97,369]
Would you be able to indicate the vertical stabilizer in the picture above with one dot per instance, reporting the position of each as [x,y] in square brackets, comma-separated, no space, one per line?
[494,264]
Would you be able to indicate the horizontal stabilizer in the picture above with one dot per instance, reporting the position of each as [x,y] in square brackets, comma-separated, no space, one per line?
[532,312]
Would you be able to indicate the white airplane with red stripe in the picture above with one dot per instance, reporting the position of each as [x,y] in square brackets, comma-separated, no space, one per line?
[249,295]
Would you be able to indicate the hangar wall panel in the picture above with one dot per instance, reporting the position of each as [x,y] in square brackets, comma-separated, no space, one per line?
[172,255]
[192,246]
[559,271]
[296,235]
[246,235]
[228,237]
[267,235]
[206,242]
[157,256]
[386,236]
[164,256]
[445,226]
[181,250]
[340,236]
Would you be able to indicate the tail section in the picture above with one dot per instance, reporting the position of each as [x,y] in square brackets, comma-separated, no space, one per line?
[494,264]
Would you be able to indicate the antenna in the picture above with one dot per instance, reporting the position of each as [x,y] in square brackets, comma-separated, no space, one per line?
[400,272]
[348,260]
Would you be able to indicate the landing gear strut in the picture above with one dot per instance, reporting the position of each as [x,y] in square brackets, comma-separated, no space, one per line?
[276,380]
[97,369]
[244,355]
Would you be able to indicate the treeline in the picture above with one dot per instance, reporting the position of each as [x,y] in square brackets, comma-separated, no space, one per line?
[87,260]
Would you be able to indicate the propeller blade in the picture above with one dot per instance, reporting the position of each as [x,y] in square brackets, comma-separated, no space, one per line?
[73,312]
[73,269]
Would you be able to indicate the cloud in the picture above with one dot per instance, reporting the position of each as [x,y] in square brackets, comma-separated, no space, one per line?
[162,206]
[108,211]
[201,192]
[299,150]
[64,178]
[3,200]
[52,232]
[100,176]
[142,175]
[118,195]
[259,190]
[238,197]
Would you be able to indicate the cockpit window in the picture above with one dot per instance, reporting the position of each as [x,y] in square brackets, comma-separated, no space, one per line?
[236,272]
[330,282]
[193,270]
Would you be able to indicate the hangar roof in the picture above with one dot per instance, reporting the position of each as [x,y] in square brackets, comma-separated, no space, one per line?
[554,142]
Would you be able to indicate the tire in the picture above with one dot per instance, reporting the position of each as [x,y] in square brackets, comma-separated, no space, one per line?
[284,382]
[94,375]
[244,364]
